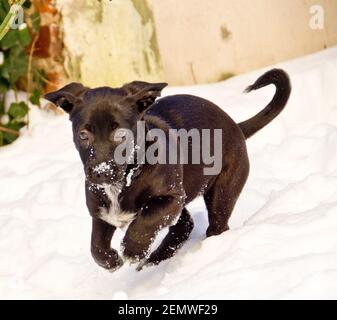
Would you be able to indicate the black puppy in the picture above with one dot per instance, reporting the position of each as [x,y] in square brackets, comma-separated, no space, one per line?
[157,195]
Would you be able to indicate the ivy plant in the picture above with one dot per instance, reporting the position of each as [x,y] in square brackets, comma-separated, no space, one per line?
[17,70]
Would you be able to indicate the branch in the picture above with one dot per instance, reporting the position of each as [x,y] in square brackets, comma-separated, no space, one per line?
[3,129]
[10,18]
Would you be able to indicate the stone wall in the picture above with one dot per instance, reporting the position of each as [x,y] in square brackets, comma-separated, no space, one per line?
[109,42]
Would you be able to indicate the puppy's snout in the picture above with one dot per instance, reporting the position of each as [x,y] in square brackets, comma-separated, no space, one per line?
[100,173]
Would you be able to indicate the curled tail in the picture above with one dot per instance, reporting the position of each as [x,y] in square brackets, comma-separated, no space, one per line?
[281,80]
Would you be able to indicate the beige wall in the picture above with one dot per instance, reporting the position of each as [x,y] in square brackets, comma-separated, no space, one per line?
[205,40]
[111,42]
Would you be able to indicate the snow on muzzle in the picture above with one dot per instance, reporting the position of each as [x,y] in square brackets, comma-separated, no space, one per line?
[104,172]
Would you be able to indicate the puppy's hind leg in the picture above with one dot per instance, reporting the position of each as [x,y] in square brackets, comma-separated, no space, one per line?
[220,199]
[176,237]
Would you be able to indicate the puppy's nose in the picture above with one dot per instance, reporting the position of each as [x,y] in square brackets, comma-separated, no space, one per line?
[100,178]
[100,174]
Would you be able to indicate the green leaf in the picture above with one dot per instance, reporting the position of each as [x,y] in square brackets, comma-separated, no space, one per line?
[2,108]
[24,37]
[16,51]
[4,8]
[35,97]
[16,66]
[2,14]
[4,86]
[10,137]
[4,5]
[18,110]
[10,40]
[5,72]
[39,77]
[36,21]
[27,4]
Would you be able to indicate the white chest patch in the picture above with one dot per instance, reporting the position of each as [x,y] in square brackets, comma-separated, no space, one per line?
[114,215]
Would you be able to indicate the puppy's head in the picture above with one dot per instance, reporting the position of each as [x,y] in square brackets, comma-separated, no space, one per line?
[97,115]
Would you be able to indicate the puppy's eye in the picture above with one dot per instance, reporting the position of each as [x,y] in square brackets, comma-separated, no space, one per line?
[114,125]
[83,135]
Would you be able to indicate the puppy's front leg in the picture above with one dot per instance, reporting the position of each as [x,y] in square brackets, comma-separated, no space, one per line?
[158,213]
[101,250]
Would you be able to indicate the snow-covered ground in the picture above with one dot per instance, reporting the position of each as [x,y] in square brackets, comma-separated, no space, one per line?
[283,241]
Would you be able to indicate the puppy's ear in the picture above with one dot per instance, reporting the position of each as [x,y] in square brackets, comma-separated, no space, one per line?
[143,93]
[68,96]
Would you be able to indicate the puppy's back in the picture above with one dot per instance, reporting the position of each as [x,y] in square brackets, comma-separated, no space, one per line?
[190,112]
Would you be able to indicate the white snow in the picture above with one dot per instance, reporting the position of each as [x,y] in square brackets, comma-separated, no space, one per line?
[283,237]
[102,167]
[129,177]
